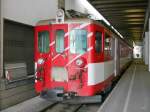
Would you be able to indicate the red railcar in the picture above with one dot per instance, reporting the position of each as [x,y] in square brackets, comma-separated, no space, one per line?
[81,56]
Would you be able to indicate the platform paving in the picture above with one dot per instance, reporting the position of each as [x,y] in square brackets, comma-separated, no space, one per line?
[132,93]
[35,104]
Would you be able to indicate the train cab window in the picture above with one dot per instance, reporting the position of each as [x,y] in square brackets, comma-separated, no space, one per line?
[60,41]
[43,41]
[98,42]
[78,41]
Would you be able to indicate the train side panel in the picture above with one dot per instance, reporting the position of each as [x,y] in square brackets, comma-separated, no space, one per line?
[125,54]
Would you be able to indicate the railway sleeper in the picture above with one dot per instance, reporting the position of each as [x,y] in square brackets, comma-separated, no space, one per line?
[83,99]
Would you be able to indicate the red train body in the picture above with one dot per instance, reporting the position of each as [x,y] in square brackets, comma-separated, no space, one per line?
[82,56]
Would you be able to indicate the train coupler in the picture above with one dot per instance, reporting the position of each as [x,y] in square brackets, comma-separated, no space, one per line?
[53,95]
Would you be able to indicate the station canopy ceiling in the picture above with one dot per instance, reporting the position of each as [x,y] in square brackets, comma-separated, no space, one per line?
[127,16]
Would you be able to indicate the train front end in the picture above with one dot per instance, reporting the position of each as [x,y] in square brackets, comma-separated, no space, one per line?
[62,54]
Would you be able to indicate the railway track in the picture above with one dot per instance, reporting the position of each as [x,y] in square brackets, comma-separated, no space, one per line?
[73,107]
[60,107]
[66,107]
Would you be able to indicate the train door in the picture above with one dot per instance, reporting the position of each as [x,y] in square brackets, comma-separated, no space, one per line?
[59,55]
[116,57]
[42,57]
[77,59]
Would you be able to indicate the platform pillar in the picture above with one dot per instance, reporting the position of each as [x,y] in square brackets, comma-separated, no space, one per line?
[143,55]
[149,44]
[1,39]
[146,47]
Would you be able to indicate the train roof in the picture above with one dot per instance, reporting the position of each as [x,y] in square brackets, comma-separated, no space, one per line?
[76,20]
[67,21]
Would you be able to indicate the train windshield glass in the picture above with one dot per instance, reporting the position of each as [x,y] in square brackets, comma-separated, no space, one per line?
[43,41]
[60,41]
[78,41]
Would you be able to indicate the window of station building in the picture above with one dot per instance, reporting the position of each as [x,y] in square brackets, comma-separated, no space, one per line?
[60,41]
[43,41]
[98,42]
[78,41]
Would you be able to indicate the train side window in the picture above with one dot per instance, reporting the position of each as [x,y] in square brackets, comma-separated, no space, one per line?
[112,47]
[60,41]
[98,42]
[107,44]
[43,41]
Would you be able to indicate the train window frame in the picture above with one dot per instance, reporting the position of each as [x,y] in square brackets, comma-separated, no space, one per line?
[112,47]
[73,39]
[42,47]
[106,40]
[60,49]
[107,46]
[98,41]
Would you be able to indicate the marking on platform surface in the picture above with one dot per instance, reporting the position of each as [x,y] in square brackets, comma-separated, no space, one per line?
[129,91]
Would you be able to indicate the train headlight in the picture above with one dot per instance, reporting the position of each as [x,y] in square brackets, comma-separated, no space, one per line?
[79,62]
[40,61]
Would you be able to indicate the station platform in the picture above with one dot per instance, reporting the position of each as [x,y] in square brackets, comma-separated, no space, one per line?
[35,104]
[132,93]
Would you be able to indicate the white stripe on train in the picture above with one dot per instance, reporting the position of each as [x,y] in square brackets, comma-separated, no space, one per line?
[90,34]
[52,43]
